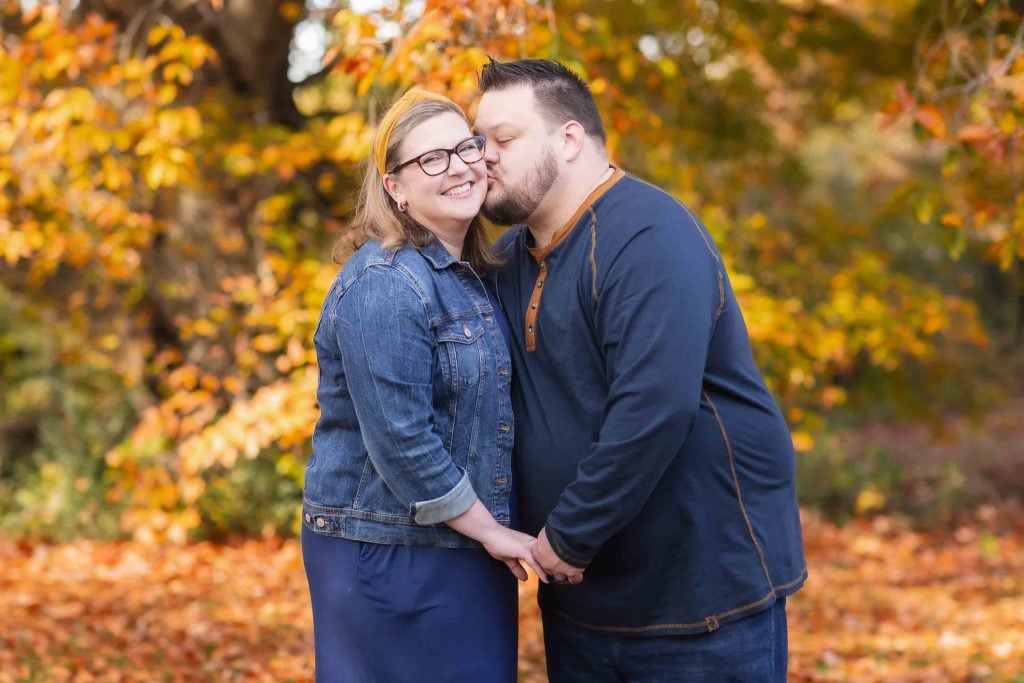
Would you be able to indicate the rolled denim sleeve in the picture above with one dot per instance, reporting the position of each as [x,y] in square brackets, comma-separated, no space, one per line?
[386,347]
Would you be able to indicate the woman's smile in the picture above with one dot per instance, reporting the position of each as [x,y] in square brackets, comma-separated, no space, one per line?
[463,190]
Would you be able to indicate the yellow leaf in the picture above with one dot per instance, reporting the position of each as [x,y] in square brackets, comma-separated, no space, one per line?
[869,500]
[802,441]
[627,68]
[931,118]
[204,328]
[157,34]
[157,173]
[1008,123]
[265,343]
[952,220]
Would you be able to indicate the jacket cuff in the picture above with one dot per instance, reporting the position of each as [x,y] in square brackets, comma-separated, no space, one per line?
[564,554]
[451,504]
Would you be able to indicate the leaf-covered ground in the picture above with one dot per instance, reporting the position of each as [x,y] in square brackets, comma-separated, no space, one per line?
[883,603]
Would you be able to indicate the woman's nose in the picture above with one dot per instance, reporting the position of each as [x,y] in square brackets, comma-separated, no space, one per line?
[456,165]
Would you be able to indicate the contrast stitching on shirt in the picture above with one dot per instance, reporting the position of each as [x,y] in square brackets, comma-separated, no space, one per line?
[736,484]
[696,221]
[798,579]
[721,294]
[593,249]
[539,253]
[711,618]
[700,230]
[560,551]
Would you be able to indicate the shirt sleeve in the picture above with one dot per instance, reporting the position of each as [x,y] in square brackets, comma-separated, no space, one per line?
[656,308]
[387,351]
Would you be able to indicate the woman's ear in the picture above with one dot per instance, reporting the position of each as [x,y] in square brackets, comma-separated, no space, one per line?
[394,188]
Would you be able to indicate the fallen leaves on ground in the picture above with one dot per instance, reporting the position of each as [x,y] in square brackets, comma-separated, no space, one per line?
[883,603]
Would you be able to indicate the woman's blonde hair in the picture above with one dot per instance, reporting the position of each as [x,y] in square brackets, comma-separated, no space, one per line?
[377,215]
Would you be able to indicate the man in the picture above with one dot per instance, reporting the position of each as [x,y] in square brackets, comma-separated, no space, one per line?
[652,462]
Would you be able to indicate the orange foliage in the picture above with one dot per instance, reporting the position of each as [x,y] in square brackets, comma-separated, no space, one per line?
[969,99]
[883,603]
[184,241]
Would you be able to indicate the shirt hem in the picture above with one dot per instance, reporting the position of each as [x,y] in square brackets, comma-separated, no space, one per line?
[710,623]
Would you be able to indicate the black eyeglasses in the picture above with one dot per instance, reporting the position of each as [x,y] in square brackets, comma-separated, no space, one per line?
[437,161]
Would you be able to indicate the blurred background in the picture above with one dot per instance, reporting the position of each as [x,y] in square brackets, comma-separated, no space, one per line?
[174,173]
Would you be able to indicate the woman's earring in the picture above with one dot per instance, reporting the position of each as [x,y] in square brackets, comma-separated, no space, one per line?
[402,206]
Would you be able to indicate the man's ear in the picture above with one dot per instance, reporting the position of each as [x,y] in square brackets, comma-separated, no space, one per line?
[573,137]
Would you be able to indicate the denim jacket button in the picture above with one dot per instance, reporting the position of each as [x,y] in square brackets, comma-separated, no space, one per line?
[320,522]
[308,518]
[488,319]
[465,330]
[503,428]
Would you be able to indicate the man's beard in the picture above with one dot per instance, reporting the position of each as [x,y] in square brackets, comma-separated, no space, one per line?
[516,204]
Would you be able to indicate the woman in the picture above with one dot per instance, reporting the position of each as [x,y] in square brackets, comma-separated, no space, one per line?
[407,497]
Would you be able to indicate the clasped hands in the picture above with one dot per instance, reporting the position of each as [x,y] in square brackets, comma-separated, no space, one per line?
[556,569]
[514,547]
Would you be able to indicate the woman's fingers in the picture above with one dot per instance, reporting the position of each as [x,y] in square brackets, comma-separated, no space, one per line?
[535,566]
[516,568]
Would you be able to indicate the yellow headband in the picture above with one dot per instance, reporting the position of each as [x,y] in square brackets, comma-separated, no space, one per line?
[406,102]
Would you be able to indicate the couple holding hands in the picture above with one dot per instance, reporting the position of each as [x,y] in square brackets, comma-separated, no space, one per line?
[578,398]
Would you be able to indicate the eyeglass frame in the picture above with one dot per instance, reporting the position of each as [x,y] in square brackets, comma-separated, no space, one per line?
[449,152]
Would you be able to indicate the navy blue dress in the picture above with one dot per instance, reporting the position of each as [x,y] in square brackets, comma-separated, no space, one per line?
[396,613]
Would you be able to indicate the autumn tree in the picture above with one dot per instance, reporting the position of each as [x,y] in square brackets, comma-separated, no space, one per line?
[170,196]
[966,98]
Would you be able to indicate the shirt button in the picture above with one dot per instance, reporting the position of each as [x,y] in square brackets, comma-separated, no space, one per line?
[530,328]
[533,305]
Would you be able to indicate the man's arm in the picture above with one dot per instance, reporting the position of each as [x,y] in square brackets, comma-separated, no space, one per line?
[658,301]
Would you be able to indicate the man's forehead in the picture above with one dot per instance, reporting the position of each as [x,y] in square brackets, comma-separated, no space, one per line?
[506,107]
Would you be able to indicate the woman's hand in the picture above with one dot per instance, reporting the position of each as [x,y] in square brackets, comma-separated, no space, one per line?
[513,548]
[505,545]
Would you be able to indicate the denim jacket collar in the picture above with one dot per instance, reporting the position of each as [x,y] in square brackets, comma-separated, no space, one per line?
[436,253]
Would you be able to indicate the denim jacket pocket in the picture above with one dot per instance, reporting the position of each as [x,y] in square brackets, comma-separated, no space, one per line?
[461,351]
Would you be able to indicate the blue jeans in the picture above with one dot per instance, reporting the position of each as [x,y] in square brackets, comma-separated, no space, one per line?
[751,650]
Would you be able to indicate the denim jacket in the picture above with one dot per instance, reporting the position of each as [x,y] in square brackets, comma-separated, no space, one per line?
[416,417]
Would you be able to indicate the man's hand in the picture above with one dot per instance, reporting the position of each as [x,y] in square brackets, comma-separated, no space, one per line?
[559,571]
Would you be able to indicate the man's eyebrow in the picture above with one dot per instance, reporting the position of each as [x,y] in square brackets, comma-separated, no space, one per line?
[499,127]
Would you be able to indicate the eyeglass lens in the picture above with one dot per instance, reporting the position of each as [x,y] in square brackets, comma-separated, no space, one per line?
[437,161]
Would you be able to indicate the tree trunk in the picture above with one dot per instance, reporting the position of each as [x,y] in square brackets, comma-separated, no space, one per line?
[252,39]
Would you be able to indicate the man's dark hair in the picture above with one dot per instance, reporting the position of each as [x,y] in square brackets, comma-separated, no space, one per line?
[561,94]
